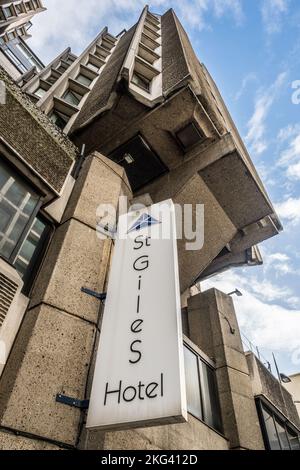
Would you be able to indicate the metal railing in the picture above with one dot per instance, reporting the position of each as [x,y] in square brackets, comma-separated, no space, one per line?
[248,345]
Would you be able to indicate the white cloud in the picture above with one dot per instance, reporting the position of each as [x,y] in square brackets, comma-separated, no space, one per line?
[290,156]
[289,210]
[278,257]
[293,171]
[280,264]
[67,23]
[288,132]
[257,123]
[273,12]
[251,77]
[292,152]
[232,6]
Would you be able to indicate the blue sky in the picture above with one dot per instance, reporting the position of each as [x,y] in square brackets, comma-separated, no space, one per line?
[252,50]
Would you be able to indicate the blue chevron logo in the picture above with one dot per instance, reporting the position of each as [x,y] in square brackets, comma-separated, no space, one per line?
[144,221]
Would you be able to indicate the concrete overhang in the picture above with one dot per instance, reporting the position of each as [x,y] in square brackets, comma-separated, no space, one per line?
[249,257]
[228,173]
[214,172]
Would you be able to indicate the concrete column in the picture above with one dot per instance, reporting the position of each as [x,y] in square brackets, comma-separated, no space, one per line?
[213,327]
[54,348]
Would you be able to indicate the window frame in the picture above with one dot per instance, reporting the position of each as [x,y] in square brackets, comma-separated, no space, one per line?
[206,362]
[70,92]
[262,404]
[80,74]
[11,9]
[11,259]
[144,84]
[39,253]
[55,112]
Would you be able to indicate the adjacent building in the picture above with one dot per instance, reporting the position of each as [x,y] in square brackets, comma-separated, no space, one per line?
[137,115]
[294,388]
[15,23]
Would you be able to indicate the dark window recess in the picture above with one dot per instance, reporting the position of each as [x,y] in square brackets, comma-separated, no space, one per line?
[31,253]
[72,97]
[142,165]
[277,433]
[224,252]
[141,81]
[84,79]
[201,390]
[189,136]
[193,393]
[59,119]
[185,322]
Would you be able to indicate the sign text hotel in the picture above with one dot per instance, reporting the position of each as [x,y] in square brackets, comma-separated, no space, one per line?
[139,376]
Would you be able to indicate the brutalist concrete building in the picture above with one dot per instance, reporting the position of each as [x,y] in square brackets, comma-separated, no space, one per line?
[137,115]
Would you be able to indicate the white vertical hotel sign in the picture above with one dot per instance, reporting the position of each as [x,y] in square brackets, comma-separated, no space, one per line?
[139,372]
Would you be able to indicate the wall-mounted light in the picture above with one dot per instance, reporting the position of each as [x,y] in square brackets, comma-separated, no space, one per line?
[284,378]
[236,292]
[128,158]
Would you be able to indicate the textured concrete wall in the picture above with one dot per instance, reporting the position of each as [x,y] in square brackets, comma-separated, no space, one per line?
[10,441]
[214,328]
[30,133]
[198,82]
[193,435]
[54,348]
[106,83]
[174,65]
[264,383]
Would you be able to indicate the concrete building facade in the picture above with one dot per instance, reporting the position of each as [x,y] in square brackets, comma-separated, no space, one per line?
[15,22]
[134,115]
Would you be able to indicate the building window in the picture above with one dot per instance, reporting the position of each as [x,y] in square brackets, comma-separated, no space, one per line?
[11,36]
[84,80]
[8,11]
[94,67]
[14,59]
[53,77]
[18,205]
[40,92]
[20,56]
[192,383]
[201,388]
[19,8]
[72,97]
[36,4]
[277,434]
[189,136]
[31,252]
[210,397]
[62,67]
[29,55]
[28,6]
[59,119]
[141,81]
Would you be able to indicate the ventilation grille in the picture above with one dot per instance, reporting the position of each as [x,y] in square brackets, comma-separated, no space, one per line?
[8,290]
